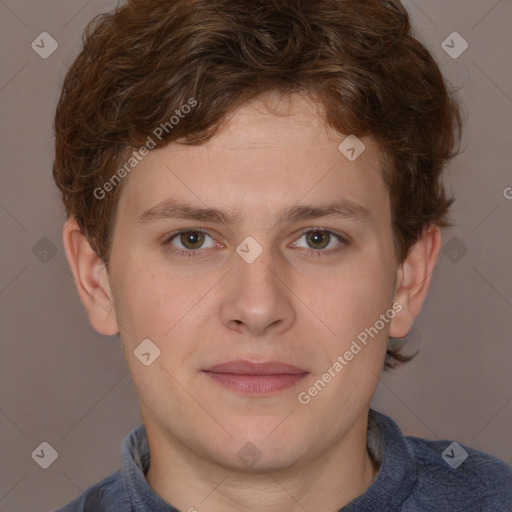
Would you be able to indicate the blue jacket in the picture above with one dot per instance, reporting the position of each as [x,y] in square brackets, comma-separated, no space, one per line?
[415,475]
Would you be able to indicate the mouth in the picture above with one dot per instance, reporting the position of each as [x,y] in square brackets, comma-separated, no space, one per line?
[256,378]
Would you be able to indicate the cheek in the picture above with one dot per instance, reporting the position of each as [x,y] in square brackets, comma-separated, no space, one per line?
[145,303]
[353,298]
[166,307]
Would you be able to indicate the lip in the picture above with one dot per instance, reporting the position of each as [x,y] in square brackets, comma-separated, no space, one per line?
[256,378]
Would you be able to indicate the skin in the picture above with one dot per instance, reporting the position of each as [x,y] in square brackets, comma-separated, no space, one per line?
[302,302]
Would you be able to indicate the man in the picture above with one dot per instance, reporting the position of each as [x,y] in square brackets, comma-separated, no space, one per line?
[254,202]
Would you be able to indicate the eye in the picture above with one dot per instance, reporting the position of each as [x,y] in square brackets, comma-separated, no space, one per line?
[191,240]
[320,240]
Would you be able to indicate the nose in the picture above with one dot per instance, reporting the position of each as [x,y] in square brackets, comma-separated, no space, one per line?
[258,299]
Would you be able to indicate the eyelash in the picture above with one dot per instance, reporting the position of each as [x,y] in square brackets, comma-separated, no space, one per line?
[202,252]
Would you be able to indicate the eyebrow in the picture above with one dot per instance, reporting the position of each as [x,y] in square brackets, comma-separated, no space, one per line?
[171,209]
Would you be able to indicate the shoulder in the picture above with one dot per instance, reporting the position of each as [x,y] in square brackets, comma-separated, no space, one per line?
[461,477]
[105,496]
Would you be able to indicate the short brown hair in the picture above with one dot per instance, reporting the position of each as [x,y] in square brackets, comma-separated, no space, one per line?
[148,58]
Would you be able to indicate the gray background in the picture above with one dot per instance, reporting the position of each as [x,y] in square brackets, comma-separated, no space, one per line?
[63,383]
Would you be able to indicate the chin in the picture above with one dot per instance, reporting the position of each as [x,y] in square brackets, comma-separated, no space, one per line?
[256,452]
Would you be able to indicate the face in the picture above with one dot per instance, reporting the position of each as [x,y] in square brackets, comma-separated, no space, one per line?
[253,262]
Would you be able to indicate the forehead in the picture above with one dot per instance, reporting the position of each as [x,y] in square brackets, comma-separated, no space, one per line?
[270,153]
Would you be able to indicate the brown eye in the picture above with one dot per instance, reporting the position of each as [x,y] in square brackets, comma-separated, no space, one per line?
[318,239]
[192,239]
[191,242]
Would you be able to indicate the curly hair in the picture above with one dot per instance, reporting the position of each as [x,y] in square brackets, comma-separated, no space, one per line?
[141,63]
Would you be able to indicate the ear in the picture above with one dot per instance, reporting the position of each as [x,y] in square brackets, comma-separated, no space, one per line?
[91,279]
[413,280]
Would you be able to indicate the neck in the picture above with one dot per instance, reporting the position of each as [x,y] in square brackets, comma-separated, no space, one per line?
[328,481]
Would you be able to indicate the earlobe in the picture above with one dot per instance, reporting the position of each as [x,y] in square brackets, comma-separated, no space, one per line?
[413,280]
[91,279]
